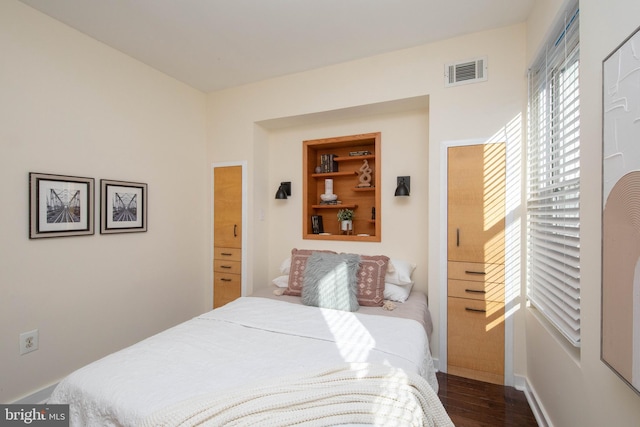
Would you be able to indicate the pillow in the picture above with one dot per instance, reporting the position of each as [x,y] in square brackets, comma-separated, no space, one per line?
[330,281]
[296,275]
[285,267]
[399,272]
[281,281]
[396,292]
[371,279]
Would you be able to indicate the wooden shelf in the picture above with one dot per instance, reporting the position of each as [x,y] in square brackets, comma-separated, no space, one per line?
[345,185]
[340,206]
[352,158]
[333,174]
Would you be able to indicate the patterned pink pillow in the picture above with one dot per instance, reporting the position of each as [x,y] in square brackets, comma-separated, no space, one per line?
[299,259]
[371,279]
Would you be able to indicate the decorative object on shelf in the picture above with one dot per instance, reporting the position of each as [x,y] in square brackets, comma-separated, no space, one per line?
[60,205]
[345,216]
[404,186]
[360,153]
[365,174]
[373,213]
[328,197]
[284,190]
[316,224]
[123,207]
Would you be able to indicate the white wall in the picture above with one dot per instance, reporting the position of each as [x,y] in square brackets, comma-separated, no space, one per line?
[250,121]
[70,105]
[576,388]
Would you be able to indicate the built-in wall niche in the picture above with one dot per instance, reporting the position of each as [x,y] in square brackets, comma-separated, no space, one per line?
[352,166]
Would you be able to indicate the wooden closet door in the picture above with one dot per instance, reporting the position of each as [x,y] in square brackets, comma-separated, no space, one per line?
[475,285]
[476,203]
[227,206]
[227,234]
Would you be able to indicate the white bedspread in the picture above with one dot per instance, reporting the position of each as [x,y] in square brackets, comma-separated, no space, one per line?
[248,340]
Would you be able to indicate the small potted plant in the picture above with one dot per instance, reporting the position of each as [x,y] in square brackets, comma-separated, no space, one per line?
[345,216]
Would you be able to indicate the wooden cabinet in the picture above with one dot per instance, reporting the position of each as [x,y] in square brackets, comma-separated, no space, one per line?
[348,156]
[227,234]
[475,252]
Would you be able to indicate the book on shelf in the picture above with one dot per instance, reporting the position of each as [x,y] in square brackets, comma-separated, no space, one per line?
[328,163]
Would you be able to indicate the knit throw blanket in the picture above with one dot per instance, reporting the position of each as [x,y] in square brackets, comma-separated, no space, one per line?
[347,394]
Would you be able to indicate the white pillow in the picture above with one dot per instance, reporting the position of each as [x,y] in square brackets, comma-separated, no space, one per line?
[396,292]
[285,267]
[281,281]
[399,272]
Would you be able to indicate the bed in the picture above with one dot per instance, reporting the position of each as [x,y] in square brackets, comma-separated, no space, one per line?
[268,359]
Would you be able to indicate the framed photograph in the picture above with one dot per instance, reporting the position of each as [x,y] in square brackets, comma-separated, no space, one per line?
[620,340]
[123,207]
[60,205]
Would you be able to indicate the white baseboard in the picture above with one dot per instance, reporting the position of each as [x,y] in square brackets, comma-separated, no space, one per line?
[522,384]
[39,397]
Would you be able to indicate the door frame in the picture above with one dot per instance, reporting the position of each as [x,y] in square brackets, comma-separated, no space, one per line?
[244,263]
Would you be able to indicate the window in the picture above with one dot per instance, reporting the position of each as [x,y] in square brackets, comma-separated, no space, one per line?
[553,180]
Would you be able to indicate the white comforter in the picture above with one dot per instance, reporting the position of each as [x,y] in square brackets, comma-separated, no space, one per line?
[246,341]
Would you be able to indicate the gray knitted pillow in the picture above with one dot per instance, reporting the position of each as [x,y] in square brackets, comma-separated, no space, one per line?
[331,281]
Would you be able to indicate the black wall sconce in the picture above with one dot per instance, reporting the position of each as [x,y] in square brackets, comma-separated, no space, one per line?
[284,190]
[404,186]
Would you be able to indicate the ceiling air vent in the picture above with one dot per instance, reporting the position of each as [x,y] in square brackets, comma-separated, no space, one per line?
[465,72]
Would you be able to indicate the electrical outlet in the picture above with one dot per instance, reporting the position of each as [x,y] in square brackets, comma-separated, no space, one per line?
[28,341]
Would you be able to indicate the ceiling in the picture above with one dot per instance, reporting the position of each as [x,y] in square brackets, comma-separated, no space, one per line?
[216,44]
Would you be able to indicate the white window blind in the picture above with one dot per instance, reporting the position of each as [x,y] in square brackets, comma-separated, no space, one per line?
[553,180]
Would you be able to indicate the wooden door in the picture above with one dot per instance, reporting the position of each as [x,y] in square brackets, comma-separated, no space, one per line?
[476,203]
[227,234]
[475,241]
[227,206]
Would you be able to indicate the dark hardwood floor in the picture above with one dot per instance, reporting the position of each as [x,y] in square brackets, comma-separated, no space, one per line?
[472,403]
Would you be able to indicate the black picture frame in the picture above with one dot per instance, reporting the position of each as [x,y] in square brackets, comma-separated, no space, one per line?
[60,205]
[123,207]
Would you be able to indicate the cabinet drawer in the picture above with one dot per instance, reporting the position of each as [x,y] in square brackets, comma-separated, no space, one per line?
[231,254]
[475,271]
[475,338]
[225,266]
[226,288]
[485,291]
[226,279]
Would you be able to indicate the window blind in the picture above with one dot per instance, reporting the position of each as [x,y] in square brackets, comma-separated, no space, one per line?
[553,180]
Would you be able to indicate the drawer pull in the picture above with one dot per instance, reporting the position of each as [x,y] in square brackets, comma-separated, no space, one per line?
[225,266]
[475,310]
[224,279]
[481,273]
[226,254]
[474,291]
[457,237]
